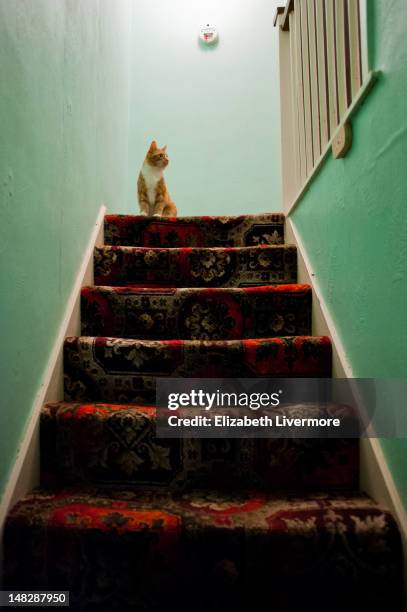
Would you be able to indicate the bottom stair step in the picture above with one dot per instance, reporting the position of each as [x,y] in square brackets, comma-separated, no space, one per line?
[207,550]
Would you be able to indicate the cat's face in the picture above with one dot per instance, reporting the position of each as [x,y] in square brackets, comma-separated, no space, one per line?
[157,157]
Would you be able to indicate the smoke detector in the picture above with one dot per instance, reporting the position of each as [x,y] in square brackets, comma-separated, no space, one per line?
[209,34]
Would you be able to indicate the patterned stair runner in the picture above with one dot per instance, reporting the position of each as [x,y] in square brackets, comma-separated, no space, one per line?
[128,521]
[197,314]
[119,369]
[245,230]
[195,267]
[206,551]
[116,443]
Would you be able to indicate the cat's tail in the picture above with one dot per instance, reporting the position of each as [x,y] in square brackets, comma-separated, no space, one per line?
[170,210]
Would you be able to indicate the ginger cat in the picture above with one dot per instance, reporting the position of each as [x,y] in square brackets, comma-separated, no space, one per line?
[154,199]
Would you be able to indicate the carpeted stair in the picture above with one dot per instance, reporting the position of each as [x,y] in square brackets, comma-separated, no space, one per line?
[197,314]
[195,266]
[128,521]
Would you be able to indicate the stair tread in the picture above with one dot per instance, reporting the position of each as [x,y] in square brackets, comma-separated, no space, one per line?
[201,507]
[194,218]
[245,341]
[260,228]
[199,249]
[196,313]
[196,266]
[150,409]
[258,289]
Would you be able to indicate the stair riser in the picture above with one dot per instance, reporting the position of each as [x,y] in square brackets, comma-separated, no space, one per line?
[194,231]
[117,370]
[113,444]
[235,267]
[190,314]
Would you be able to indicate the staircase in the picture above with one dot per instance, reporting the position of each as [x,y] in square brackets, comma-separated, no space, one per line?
[127,521]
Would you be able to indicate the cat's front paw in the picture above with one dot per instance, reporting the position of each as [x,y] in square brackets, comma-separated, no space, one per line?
[157,215]
[143,214]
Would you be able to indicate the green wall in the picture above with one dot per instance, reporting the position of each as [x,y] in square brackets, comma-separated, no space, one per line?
[353,222]
[64,121]
[217,110]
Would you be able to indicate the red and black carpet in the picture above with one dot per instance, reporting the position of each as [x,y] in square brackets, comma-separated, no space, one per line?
[128,521]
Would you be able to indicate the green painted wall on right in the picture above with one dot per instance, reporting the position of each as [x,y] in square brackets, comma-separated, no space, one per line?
[353,223]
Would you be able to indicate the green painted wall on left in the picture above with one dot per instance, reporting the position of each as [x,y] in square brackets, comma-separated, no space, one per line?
[84,86]
[64,120]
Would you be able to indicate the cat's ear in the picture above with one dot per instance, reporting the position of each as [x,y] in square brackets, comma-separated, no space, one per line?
[164,148]
[153,146]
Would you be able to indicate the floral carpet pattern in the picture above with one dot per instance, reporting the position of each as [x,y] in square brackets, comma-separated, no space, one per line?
[245,230]
[197,314]
[198,550]
[195,267]
[115,444]
[124,370]
[128,521]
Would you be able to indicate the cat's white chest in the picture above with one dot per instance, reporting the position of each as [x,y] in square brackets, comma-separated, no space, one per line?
[151,178]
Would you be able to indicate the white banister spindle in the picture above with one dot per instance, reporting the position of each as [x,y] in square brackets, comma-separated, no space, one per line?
[331,57]
[341,67]
[322,72]
[295,115]
[355,46]
[307,87]
[312,40]
[300,92]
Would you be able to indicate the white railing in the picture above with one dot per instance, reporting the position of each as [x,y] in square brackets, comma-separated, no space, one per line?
[324,74]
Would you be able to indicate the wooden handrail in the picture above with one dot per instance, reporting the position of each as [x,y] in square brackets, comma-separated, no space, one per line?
[279,11]
[284,11]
